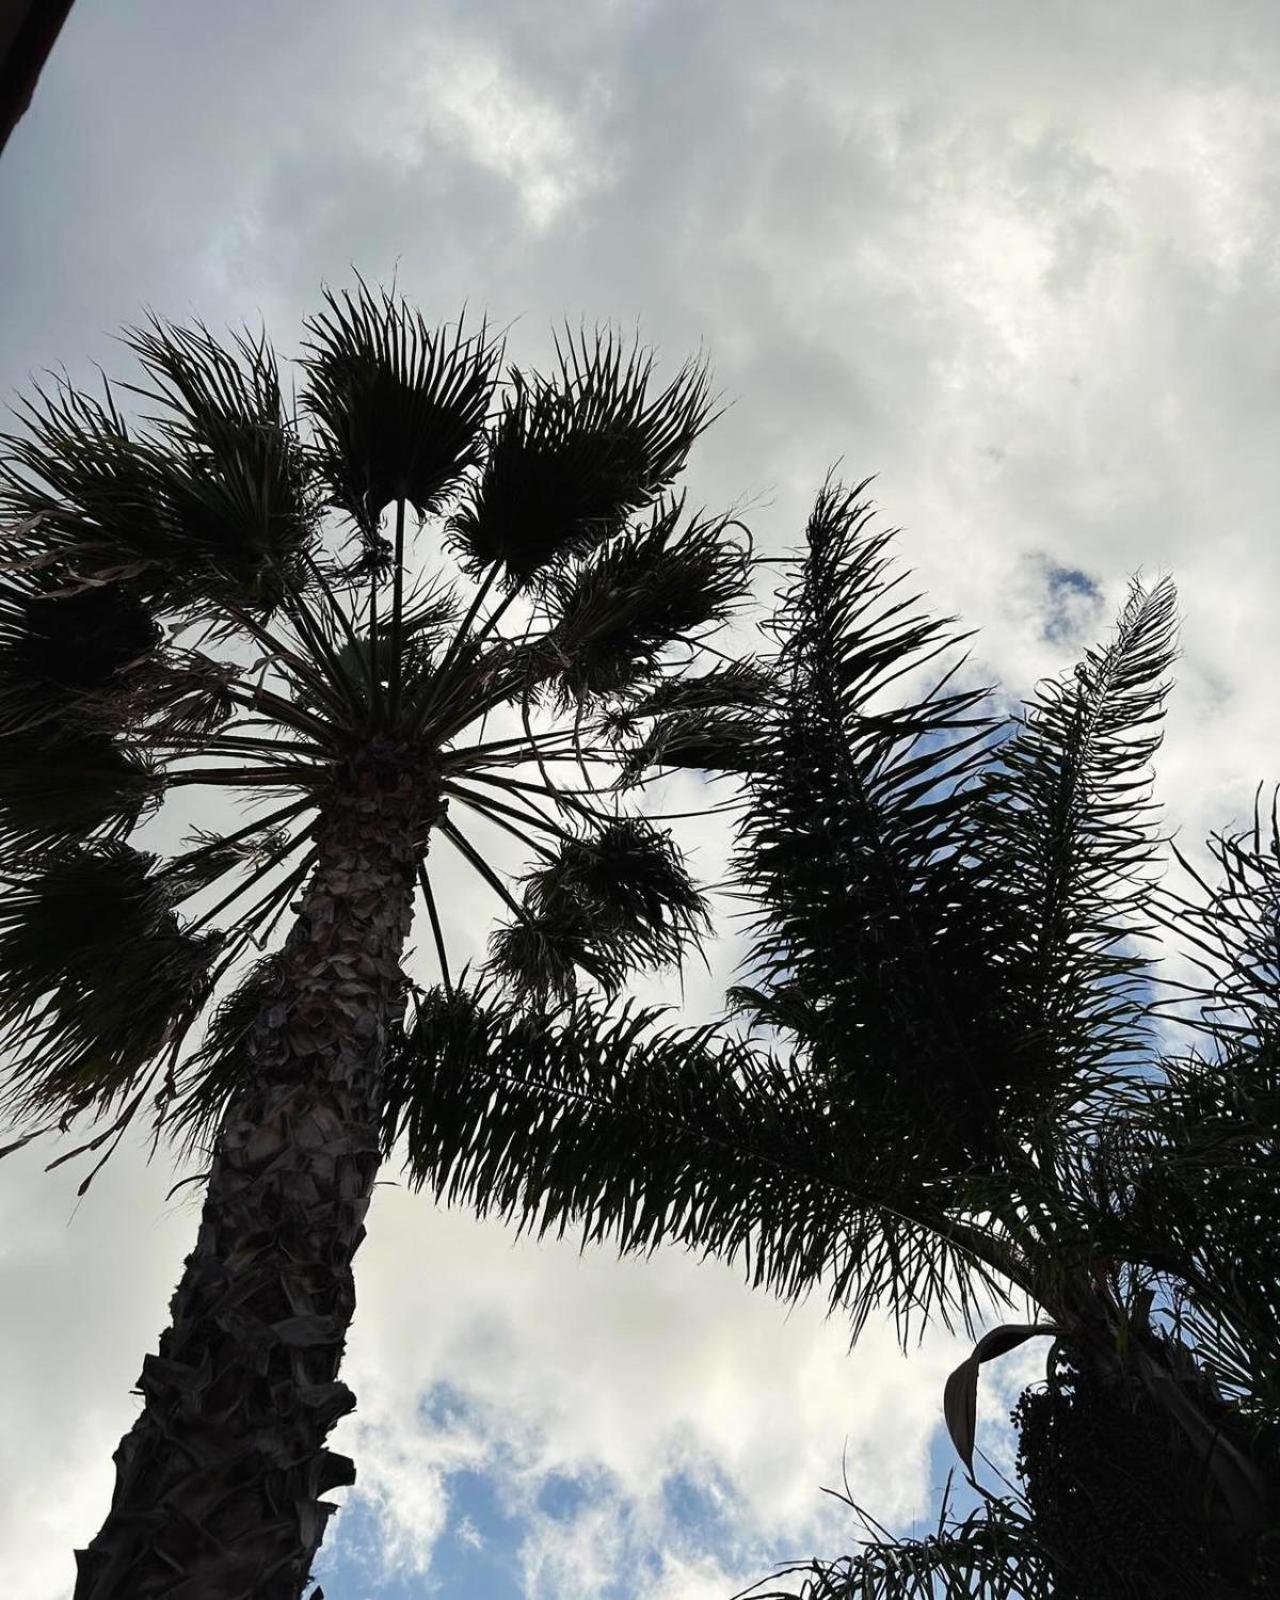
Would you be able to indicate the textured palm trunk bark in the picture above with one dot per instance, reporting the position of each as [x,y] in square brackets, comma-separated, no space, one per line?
[219,1483]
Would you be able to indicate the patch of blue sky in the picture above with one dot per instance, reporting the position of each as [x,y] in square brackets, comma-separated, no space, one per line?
[1073,598]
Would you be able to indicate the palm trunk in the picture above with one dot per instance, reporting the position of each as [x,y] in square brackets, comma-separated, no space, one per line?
[219,1483]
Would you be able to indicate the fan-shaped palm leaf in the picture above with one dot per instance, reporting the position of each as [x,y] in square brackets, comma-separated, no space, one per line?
[572,456]
[400,408]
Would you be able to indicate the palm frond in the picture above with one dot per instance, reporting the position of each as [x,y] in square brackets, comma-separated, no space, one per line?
[215,501]
[210,1077]
[1064,829]
[613,900]
[98,975]
[57,790]
[991,1553]
[1192,1157]
[580,1116]
[239,500]
[400,407]
[66,657]
[81,493]
[571,457]
[875,936]
[613,613]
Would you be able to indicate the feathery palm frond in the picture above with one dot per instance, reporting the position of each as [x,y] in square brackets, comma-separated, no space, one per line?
[992,1553]
[874,935]
[1063,828]
[582,1116]
[614,899]
[571,457]
[400,407]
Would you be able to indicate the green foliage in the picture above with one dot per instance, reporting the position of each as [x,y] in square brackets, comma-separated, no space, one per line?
[617,611]
[992,1553]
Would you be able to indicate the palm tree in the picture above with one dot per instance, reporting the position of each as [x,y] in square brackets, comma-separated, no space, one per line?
[231,595]
[970,1098]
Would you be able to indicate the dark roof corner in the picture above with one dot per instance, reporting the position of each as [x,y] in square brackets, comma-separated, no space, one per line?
[27,31]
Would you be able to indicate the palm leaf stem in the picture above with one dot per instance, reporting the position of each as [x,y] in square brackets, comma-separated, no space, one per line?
[468,851]
[314,636]
[283,650]
[527,814]
[437,932]
[287,712]
[344,622]
[260,870]
[491,813]
[442,676]
[397,614]
[242,777]
[202,852]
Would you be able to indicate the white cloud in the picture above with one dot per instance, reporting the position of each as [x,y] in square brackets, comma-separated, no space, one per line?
[1020,261]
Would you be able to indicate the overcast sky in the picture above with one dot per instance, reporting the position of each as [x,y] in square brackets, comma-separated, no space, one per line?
[1019,260]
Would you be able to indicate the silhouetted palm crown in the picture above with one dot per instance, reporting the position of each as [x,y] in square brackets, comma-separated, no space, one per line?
[234,595]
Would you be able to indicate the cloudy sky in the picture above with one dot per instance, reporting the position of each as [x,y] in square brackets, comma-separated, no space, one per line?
[1017,259]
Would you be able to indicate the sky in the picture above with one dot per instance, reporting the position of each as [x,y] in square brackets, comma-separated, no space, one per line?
[1018,260]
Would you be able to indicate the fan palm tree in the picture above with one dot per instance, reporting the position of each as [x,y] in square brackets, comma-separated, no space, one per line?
[254,600]
[969,1099]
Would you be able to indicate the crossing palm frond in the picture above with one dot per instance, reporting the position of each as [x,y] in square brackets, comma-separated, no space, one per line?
[579,1116]
[709,722]
[400,407]
[572,456]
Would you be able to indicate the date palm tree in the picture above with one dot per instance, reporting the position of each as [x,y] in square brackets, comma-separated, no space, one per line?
[970,1099]
[402,606]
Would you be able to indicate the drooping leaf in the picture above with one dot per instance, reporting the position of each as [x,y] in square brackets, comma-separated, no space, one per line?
[615,899]
[96,973]
[960,1398]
